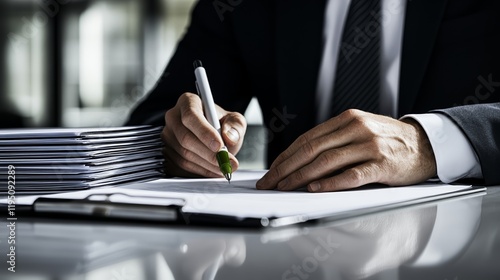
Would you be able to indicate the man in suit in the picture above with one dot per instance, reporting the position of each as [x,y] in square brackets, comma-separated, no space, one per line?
[424,76]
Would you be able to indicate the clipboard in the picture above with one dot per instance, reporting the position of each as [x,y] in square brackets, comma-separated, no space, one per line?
[213,202]
[118,206]
[115,206]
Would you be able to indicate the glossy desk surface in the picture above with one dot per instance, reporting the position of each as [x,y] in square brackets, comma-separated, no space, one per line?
[452,239]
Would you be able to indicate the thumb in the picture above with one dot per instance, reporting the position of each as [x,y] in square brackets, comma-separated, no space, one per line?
[233,127]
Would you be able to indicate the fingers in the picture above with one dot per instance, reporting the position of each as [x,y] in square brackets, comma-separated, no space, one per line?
[325,164]
[233,126]
[318,155]
[351,178]
[313,146]
[367,148]
[318,131]
[189,158]
[192,165]
[183,140]
[191,143]
[192,117]
[176,165]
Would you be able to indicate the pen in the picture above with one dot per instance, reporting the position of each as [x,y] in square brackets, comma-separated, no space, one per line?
[203,88]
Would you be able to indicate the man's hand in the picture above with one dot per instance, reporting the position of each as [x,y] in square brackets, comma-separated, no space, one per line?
[354,149]
[191,143]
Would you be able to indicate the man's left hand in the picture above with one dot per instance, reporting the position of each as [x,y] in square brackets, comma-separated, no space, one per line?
[351,150]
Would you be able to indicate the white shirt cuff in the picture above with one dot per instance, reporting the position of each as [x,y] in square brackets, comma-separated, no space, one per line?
[455,157]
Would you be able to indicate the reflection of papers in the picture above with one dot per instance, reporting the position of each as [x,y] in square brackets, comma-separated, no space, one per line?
[240,198]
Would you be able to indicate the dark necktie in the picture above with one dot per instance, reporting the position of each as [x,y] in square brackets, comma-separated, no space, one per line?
[357,82]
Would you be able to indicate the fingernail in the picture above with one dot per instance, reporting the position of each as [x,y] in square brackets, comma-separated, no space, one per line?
[314,187]
[214,146]
[233,135]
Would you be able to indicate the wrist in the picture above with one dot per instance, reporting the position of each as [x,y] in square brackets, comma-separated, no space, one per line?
[423,147]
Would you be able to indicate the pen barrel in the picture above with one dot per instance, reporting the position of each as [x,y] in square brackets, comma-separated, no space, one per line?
[210,111]
[206,98]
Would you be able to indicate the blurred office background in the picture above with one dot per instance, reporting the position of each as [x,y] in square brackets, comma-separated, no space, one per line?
[85,63]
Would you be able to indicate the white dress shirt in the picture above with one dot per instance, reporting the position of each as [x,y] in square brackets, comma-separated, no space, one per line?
[455,157]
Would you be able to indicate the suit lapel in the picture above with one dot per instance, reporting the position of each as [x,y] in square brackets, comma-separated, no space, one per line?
[299,37]
[422,22]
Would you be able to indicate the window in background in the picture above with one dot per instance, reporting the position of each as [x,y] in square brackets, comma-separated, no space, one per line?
[83,62]
[113,53]
[25,56]
[86,63]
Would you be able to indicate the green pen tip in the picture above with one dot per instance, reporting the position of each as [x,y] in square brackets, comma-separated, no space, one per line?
[228,177]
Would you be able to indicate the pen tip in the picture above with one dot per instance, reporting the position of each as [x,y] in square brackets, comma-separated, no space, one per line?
[228,177]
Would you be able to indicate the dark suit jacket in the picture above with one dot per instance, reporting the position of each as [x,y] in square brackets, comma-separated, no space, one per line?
[272,49]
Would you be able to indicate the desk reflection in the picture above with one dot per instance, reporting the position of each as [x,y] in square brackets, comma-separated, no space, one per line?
[377,246]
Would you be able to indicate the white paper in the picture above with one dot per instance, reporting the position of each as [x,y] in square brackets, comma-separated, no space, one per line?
[75,132]
[63,159]
[241,199]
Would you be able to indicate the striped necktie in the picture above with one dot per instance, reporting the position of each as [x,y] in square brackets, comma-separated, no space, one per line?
[357,82]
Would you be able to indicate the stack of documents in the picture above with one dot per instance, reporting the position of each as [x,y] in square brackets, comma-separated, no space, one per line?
[54,160]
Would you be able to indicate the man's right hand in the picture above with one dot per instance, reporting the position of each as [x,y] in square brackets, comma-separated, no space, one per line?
[191,143]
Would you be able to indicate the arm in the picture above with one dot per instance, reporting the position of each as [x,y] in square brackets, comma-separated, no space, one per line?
[481,125]
[446,138]
[191,143]
[210,40]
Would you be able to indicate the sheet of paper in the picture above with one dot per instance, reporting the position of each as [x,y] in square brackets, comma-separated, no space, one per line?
[130,150]
[241,199]
[76,132]
[77,141]
[76,148]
